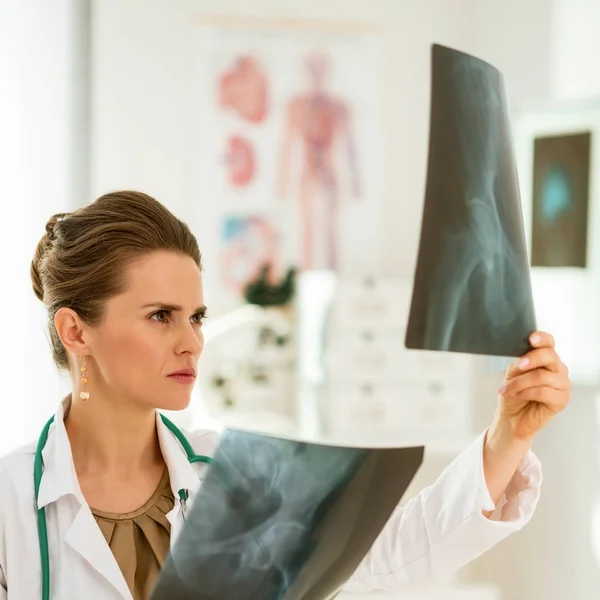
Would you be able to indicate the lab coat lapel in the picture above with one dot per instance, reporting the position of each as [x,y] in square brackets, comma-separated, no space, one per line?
[85,537]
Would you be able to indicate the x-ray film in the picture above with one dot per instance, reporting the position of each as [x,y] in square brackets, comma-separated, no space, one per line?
[277,519]
[472,288]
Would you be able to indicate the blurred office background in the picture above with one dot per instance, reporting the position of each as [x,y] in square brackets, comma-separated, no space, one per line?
[188,101]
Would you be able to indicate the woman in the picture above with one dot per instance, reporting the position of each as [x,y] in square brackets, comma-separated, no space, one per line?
[121,279]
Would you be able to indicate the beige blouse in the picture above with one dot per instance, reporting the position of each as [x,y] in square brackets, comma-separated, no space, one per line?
[140,540]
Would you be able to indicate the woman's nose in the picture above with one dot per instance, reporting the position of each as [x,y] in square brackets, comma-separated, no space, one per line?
[192,340]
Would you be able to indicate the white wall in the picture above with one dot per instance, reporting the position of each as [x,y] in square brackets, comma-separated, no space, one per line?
[34,165]
[576,50]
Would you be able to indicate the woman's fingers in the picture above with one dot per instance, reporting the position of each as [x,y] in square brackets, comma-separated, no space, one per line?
[540,377]
[540,358]
[541,339]
[557,400]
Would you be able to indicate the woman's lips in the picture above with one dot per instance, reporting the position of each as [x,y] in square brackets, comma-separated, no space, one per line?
[183,378]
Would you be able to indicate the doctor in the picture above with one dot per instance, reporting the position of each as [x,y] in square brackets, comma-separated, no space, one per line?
[121,279]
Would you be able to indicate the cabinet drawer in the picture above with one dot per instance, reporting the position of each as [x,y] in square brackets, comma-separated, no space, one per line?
[379,303]
[365,354]
[411,409]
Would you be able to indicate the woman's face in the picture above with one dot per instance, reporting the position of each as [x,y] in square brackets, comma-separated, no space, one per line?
[149,332]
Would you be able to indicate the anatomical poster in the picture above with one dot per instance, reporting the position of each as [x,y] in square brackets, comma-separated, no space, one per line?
[472,290]
[290,126]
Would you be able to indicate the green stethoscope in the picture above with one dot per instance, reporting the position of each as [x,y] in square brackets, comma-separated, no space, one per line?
[38,469]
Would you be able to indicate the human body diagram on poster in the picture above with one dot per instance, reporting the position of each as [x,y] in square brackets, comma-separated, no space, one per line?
[321,124]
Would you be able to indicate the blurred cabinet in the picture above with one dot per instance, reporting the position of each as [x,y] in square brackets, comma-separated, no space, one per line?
[374,383]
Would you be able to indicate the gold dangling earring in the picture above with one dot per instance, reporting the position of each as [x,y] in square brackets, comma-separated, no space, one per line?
[84,394]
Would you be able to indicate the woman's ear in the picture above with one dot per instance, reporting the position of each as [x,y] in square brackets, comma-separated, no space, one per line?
[71,331]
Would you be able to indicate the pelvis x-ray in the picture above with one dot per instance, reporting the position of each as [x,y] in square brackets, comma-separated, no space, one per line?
[278,519]
[472,289]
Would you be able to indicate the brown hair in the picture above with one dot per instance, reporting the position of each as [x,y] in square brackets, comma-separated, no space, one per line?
[80,261]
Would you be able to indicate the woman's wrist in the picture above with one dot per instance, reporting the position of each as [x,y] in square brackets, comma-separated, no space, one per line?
[501,437]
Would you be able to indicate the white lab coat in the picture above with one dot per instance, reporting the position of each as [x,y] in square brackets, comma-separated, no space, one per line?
[430,538]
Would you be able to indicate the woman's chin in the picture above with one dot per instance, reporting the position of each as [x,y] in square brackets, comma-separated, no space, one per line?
[175,403]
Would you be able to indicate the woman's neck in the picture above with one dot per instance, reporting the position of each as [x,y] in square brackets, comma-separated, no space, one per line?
[112,436]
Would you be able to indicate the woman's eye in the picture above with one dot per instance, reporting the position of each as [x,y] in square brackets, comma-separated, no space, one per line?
[162,316]
[199,317]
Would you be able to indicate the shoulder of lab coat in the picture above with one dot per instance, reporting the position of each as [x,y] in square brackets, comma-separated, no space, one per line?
[443,528]
[203,441]
[14,469]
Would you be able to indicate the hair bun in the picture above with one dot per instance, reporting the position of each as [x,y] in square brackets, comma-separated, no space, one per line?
[42,248]
[51,224]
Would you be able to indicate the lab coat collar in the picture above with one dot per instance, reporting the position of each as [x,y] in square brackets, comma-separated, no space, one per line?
[182,474]
[60,479]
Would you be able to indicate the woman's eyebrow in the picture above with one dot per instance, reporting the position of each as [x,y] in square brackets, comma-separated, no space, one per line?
[172,307]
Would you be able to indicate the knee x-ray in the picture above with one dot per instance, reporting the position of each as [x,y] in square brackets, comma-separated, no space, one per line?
[277,519]
[472,289]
